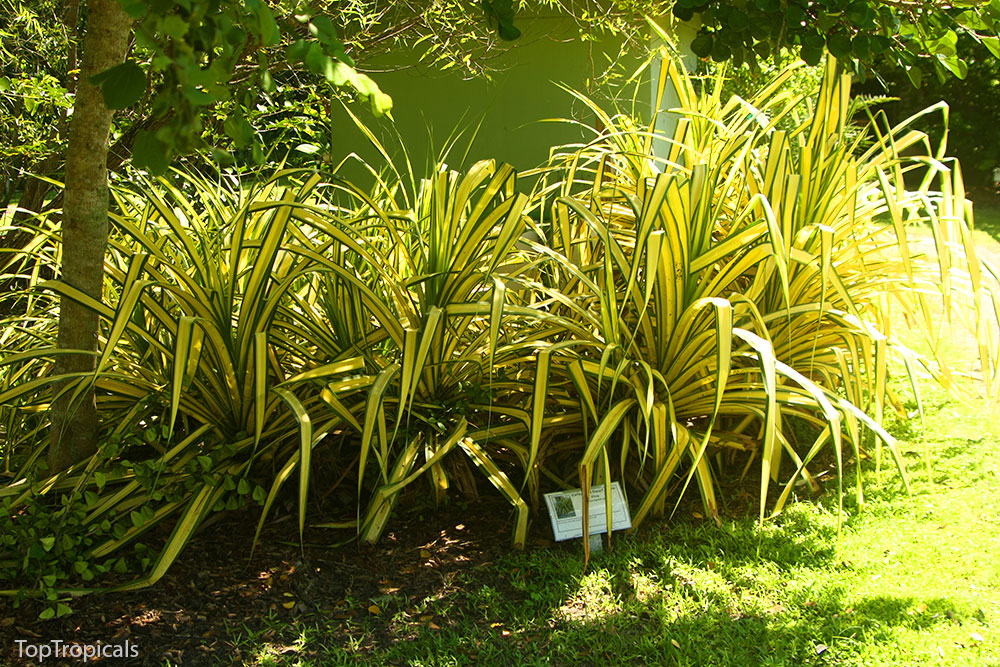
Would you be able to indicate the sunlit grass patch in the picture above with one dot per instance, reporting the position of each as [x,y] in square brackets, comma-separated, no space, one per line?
[913,579]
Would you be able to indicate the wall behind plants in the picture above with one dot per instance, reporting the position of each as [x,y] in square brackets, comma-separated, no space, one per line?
[429,106]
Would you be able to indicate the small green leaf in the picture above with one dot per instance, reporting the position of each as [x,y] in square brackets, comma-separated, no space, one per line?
[811,55]
[308,149]
[325,30]
[4,84]
[340,73]
[49,580]
[721,51]
[955,65]
[149,153]
[63,609]
[222,157]
[296,51]
[47,613]
[381,104]
[235,36]
[134,8]
[269,33]
[880,43]
[205,462]
[839,45]
[199,96]
[859,13]
[500,13]
[48,542]
[991,43]
[266,82]
[244,487]
[738,20]
[683,13]
[702,45]
[122,85]
[239,129]
[259,495]
[173,25]
[316,60]
[365,85]
[508,31]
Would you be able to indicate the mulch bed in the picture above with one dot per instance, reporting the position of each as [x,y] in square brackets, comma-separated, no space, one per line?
[214,590]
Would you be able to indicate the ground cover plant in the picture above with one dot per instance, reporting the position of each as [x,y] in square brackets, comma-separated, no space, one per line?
[324,349]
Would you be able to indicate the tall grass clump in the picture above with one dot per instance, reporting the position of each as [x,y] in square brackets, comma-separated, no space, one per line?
[740,287]
[206,401]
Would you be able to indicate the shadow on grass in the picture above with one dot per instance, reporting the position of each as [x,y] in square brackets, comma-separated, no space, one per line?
[987,219]
[795,631]
[689,594]
[677,593]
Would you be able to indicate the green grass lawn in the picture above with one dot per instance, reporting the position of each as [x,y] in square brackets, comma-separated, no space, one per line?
[912,580]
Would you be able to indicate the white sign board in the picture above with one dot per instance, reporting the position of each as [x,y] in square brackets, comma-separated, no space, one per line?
[566,511]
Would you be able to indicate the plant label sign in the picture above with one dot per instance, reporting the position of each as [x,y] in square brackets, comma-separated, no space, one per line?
[566,511]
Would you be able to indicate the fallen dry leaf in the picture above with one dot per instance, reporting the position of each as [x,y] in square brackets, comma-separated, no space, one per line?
[424,553]
[675,643]
[289,604]
[374,609]
[976,637]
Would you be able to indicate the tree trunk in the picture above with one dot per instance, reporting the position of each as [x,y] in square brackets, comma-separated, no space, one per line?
[85,234]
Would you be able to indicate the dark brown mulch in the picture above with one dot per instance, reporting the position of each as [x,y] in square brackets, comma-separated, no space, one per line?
[214,590]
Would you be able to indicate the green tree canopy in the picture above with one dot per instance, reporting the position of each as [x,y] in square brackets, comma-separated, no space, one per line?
[918,36]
